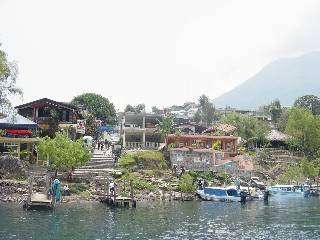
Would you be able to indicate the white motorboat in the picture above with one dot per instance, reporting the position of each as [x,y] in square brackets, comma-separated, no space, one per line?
[288,190]
[229,194]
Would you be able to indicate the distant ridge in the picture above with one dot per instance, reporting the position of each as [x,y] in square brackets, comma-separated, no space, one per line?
[284,79]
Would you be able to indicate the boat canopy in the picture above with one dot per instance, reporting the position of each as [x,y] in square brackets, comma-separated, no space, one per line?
[232,192]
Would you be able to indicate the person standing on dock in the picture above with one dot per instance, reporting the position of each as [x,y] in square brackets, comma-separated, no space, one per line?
[183,170]
[111,188]
[56,185]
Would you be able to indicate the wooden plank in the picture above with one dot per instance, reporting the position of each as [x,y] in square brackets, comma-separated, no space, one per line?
[40,198]
[123,199]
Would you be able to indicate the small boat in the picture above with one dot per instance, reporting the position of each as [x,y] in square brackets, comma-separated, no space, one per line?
[229,194]
[289,190]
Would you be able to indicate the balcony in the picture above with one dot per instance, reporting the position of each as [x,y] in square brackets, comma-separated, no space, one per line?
[44,120]
[48,120]
[141,145]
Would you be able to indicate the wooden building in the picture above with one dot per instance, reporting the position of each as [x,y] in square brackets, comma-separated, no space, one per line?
[41,112]
[227,143]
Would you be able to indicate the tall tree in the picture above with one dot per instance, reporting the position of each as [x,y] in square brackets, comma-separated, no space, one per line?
[310,102]
[140,108]
[206,110]
[248,127]
[136,109]
[92,128]
[274,109]
[304,128]
[8,76]
[283,120]
[165,126]
[130,108]
[97,105]
[155,110]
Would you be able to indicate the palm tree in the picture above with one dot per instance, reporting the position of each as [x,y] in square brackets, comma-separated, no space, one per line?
[165,127]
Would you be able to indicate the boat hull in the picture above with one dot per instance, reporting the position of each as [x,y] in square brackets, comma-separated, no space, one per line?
[288,191]
[208,197]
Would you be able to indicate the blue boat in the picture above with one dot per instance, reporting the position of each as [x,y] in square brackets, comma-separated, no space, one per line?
[289,190]
[229,194]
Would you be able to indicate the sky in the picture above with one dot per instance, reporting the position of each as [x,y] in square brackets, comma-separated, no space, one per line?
[154,52]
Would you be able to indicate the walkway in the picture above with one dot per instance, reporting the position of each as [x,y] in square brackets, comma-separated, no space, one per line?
[101,162]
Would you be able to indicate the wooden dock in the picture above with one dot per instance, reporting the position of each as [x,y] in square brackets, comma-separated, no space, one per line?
[38,200]
[112,199]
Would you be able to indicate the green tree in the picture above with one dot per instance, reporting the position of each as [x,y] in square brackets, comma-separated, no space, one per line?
[274,109]
[186,184]
[165,126]
[136,109]
[97,105]
[140,108]
[62,152]
[92,128]
[248,127]
[304,128]
[292,174]
[197,117]
[206,110]
[309,169]
[129,108]
[155,110]
[283,120]
[8,76]
[310,102]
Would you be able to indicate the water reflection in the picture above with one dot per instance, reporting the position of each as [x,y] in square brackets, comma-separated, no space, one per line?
[276,219]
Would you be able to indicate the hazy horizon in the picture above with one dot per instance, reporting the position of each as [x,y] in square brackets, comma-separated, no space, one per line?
[157,53]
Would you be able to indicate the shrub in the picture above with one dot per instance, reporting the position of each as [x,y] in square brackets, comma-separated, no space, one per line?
[78,188]
[186,184]
[127,160]
[208,175]
[137,182]
[143,160]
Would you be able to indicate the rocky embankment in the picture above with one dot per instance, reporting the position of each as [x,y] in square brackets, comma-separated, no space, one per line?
[13,190]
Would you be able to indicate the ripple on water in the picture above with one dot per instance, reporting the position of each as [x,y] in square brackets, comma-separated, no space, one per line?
[297,219]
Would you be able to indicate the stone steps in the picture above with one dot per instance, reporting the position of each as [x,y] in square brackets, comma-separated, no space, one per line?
[100,161]
[98,166]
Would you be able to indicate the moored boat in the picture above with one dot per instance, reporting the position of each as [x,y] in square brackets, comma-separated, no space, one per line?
[229,194]
[289,190]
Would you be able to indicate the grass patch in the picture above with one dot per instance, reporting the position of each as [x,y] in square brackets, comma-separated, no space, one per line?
[151,160]
[78,188]
[85,194]
[138,184]
[186,184]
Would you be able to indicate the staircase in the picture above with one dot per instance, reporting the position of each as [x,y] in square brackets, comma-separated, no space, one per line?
[101,163]
[279,156]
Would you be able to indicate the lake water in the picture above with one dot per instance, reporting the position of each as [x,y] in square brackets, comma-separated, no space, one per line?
[279,219]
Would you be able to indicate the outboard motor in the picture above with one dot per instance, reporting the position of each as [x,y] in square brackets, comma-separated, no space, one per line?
[266,195]
[25,204]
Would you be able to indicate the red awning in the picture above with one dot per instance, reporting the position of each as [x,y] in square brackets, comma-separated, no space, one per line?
[19,132]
